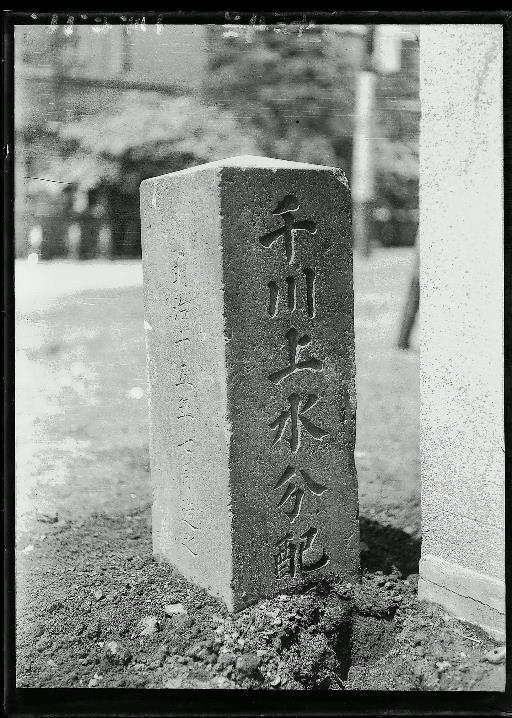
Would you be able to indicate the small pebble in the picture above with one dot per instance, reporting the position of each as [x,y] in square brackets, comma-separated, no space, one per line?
[174,683]
[173,609]
[443,666]
[248,664]
[445,637]
[419,637]
[438,651]
[496,655]
[275,681]
[98,594]
[226,659]
[418,668]
[43,643]
[148,626]
[95,680]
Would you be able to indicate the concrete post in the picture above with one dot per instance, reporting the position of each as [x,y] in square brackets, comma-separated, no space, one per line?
[461,219]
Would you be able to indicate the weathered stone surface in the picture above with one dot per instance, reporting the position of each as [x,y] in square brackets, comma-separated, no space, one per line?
[250,346]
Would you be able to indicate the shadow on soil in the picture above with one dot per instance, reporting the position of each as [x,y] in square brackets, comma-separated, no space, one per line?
[366,636]
[387,547]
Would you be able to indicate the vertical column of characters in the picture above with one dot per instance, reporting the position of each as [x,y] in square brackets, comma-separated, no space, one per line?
[184,416]
[295,553]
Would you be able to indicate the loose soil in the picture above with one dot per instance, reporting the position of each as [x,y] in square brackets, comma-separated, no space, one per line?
[96,610]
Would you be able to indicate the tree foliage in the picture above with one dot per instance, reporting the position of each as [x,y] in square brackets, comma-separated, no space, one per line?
[294,89]
[146,136]
[288,86]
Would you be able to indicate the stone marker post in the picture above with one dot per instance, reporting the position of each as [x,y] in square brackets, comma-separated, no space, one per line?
[249,328]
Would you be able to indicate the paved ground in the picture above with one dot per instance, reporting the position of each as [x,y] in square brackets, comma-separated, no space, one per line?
[81,409]
[38,286]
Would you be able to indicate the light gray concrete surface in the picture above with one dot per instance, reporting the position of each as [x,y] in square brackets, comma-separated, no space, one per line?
[250,343]
[461,367]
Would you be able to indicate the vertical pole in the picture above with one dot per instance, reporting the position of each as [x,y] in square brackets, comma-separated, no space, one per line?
[126,52]
[58,73]
[412,303]
[362,156]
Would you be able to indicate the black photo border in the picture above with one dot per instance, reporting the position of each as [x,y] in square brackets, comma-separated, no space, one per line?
[162,702]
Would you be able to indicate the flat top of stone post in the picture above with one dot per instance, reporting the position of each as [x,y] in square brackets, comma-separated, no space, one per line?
[256,162]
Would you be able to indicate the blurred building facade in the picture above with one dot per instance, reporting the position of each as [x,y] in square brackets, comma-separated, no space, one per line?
[66,75]
[63,74]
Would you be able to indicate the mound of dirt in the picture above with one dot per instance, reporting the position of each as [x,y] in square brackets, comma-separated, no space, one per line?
[95,609]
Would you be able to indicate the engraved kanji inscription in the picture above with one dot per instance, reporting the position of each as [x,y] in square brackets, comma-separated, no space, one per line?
[310,275]
[184,376]
[188,503]
[285,209]
[291,293]
[295,415]
[293,494]
[295,345]
[181,337]
[180,307]
[273,298]
[189,536]
[183,408]
[289,556]
[186,445]
[177,266]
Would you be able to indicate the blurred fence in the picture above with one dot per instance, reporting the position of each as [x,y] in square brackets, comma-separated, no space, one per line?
[89,235]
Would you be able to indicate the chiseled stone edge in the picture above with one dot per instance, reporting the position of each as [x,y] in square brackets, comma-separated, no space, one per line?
[469,595]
